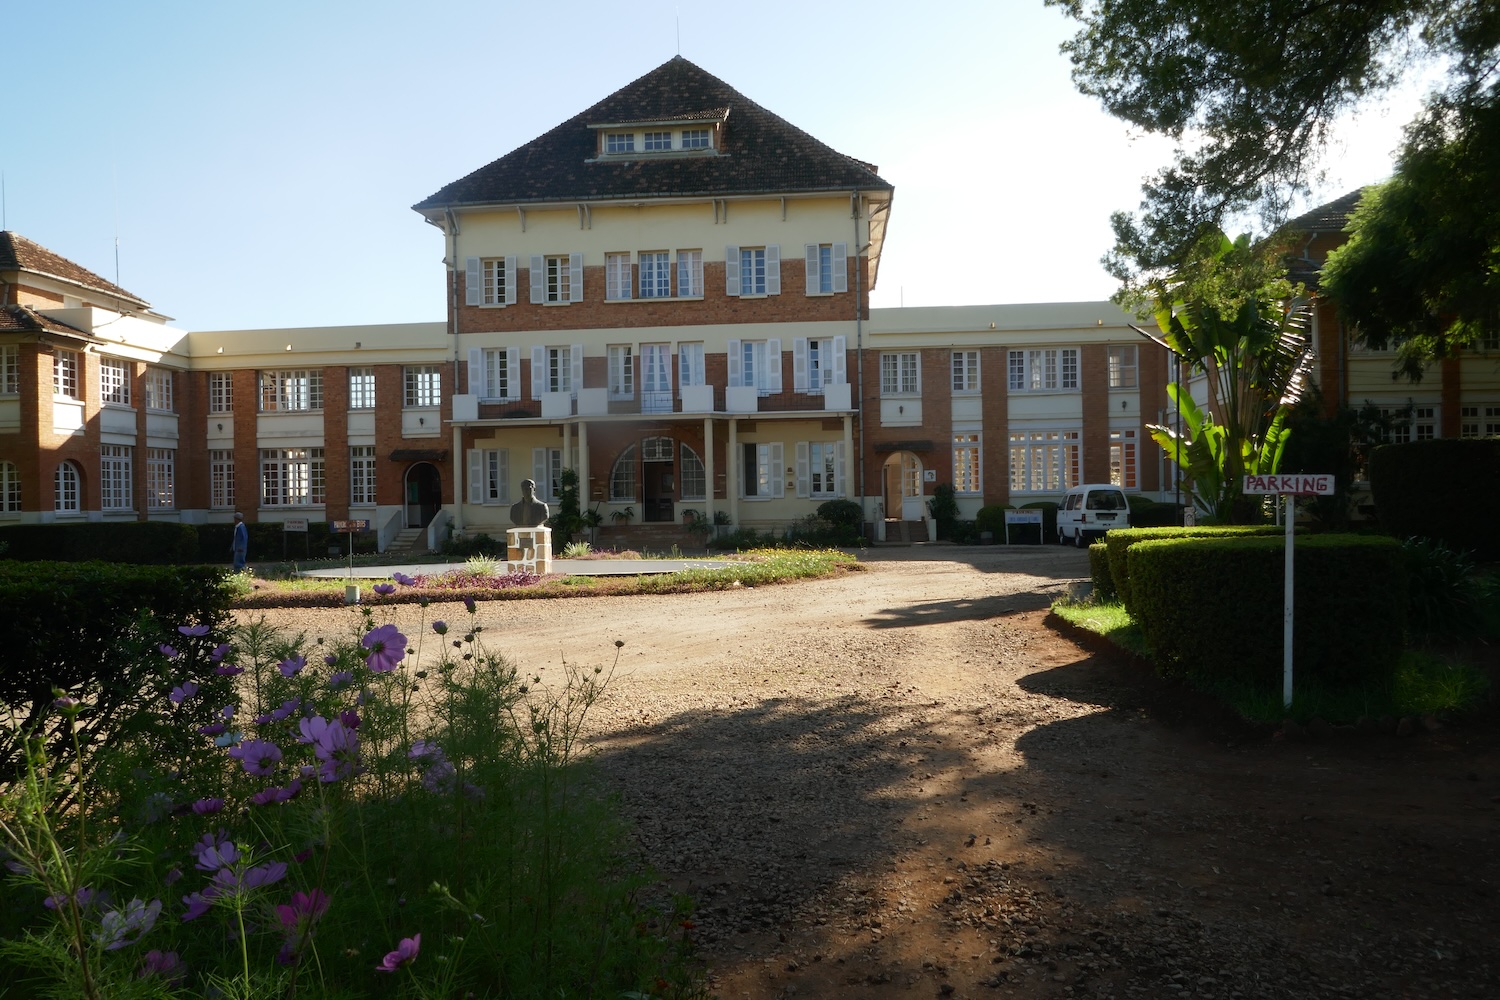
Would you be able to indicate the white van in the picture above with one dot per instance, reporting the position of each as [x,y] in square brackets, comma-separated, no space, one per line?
[1088,511]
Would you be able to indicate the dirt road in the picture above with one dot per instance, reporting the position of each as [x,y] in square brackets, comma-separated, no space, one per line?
[901,783]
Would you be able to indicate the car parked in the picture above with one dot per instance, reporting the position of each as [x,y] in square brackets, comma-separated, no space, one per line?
[1090,510]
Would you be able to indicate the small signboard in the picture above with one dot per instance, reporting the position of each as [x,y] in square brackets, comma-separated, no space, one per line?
[350,527]
[294,524]
[1300,484]
[1032,516]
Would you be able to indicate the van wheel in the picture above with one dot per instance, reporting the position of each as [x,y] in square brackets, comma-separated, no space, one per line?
[1079,539]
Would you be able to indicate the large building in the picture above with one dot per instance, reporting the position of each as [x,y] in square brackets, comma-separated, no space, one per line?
[668,293]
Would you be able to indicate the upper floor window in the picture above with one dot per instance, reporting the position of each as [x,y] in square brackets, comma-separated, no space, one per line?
[556,369]
[557,278]
[424,385]
[752,270]
[1122,366]
[827,268]
[899,373]
[690,365]
[499,376]
[689,273]
[158,389]
[621,373]
[1042,369]
[10,488]
[489,281]
[817,362]
[220,392]
[617,276]
[755,363]
[656,274]
[695,138]
[67,489]
[655,142]
[65,377]
[10,369]
[114,381]
[965,371]
[619,142]
[291,390]
[361,388]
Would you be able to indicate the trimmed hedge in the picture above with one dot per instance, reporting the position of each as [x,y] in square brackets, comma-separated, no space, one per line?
[144,543]
[268,542]
[1120,540]
[1104,581]
[1212,607]
[1419,489]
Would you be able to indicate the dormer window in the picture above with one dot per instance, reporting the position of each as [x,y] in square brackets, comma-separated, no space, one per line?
[620,142]
[695,138]
[657,142]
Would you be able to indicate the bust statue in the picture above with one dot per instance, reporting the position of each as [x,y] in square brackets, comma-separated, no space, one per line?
[529,512]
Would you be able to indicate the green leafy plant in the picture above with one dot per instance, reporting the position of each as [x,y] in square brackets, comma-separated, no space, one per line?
[944,509]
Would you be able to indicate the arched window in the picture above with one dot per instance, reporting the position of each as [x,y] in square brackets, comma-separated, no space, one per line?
[693,487]
[10,488]
[66,488]
[622,477]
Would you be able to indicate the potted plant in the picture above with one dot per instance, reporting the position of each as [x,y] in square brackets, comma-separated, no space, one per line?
[622,515]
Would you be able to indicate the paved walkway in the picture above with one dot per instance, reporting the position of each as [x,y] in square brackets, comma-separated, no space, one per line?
[566,567]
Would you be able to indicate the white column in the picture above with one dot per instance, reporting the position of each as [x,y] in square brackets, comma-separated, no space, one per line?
[460,488]
[708,469]
[732,472]
[583,465]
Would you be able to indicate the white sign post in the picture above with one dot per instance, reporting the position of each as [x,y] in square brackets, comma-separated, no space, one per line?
[1289,486]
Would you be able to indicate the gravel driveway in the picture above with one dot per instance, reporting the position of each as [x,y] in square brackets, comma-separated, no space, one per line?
[901,782]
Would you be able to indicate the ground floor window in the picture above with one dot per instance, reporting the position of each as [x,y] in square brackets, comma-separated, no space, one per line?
[1479,421]
[1044,461]
[291,477]
[66,489]
[694,481]
[1122,458]
[966,464]
[362,474]
[161,478]
[489,475]
[622,478]
[221,478]
[820,469]
[761,470]
[10,488]
[116,470]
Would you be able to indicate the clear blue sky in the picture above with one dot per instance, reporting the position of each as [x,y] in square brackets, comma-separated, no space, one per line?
[259,161]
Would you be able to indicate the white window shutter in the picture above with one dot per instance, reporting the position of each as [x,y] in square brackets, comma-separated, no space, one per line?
[473,281]
[538,280]
[773,365]
[840,363]
[841,267]
[513,373]
[502,474]
[773,269]
[804,477]
[476,372]
[778,470]
[731,270]
[812,268]
[732,355]
[799,364]
[838,459]
[575,278]
[476,476]
[539,473]
[511,276]
[576,355]
[538,371]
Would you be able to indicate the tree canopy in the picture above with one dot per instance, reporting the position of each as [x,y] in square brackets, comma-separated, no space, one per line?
[1250,90]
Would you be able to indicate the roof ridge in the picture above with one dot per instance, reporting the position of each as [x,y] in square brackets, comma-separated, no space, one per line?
[21,254]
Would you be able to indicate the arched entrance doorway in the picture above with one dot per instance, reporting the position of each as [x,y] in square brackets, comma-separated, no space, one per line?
[424,493]
[658,479]
[902,490]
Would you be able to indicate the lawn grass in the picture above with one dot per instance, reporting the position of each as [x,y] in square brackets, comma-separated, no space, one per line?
[1425,683]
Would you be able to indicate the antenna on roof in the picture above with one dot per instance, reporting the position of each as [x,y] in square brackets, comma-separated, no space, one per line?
[114,181]
[679,29]
[4,222]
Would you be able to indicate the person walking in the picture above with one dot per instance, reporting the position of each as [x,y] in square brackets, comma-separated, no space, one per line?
[241,545]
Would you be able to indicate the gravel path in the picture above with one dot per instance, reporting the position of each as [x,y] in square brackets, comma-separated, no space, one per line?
[902,783]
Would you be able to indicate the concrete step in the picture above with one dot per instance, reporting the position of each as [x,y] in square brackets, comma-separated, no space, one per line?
[409,540]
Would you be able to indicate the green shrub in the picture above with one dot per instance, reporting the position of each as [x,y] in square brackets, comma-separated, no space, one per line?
[845,513]
[1419,489]
[476,545]
[1211,608]
[992,519]
[1104,581]
[745,539]
[1049,517]
[944,509]
[1147,513]
[1446,595]
[1120,540]
[138,542]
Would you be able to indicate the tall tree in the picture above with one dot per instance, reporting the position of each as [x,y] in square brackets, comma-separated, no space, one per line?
[1250,89]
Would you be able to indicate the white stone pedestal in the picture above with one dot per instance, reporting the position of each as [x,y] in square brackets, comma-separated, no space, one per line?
[529,548]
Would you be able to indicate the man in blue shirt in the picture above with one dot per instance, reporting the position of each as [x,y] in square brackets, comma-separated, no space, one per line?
[241,545]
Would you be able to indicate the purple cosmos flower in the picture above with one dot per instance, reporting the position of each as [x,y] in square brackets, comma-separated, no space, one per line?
[425,750]
[193,631]
[287,709]
[215,854]
[384,589]
[350,718]
[276,796]
[292,665]
[118,928]
[162,963]
[228,670]
[340,679]
[441,778]
[335,745]
[262,875]
[197,905]
[213,729]
[173,877]
[298,916]
[331,659]
[469,603]
[404,580]
[183,693]
[219,652]
[258,757]
[441,628]
[66,703]
[207,807]
[84,897]
[167,651]
[387,647]
[405,953]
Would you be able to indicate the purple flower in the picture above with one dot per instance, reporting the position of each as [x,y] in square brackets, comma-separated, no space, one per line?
[331,659]
[387,647]
[228,670]
[441,628]
[350,718]
[66,703]
[440,778]
[281,714]
[259,757]
[425,750]
[207,807]
[213,729]
[118,928]
[228,711]
[333,744]
[197,905]
[219,652]
[276,796]
[193,631]
[469,603]
[167,651]
[293,665]
[405,953]
[340,679]
[215,854]
[84,897]
[261,875]
[384,589]
[298,916]
[162,963]
[183,693]
[403,579]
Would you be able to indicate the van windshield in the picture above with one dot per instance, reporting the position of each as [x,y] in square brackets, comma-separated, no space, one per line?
[1106,501]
